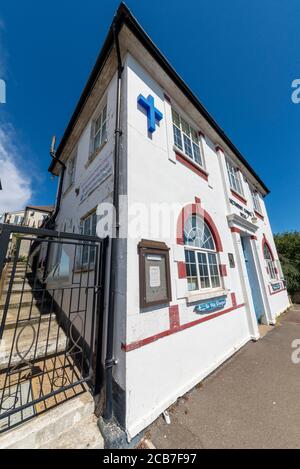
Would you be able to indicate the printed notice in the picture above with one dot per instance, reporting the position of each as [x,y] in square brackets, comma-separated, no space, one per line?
[154,276]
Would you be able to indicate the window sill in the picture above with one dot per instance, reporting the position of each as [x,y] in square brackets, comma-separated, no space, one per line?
[239,196]
[95,154]
[189,163]
[259,215]
[193,297]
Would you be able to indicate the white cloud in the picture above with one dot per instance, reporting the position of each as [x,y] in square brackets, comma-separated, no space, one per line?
[16,183]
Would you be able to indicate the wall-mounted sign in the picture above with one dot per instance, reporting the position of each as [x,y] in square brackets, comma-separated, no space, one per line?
[210,305]
[153,114]
[155,284]
[276,286]
[96,177]
[243,211]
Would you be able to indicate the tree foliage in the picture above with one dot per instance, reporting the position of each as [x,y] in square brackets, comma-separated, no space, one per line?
[288,247]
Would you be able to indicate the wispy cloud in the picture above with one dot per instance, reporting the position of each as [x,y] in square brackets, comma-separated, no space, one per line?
[16,184]
[15,180]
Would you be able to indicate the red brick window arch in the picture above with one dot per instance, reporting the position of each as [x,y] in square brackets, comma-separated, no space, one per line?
[269,259]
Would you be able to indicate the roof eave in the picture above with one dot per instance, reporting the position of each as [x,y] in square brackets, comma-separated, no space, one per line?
[124,16]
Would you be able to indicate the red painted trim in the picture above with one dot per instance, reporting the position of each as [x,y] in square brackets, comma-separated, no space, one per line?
[154,338]
[275,292]
[197,200]
[174,317]
[233,299]
[239,197]
[192,166]
[254,237]
[218,148]
[181,269]
[192,209]
[233,229]
[167,98]
[265,241]
[223,270]
[259,215]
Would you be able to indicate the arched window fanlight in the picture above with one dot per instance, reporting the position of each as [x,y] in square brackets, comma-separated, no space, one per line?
[201,258]
[271,268]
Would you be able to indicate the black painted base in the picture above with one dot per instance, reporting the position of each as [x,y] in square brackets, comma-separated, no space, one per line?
[115,437]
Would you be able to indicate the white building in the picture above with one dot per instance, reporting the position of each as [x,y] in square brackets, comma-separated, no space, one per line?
[189,298]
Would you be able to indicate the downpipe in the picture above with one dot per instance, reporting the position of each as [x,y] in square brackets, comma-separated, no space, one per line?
[109,360]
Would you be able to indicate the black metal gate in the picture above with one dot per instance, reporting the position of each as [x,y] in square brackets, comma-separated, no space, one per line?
[51,319]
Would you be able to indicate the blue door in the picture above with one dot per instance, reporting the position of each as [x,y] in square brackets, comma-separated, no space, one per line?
[253,278]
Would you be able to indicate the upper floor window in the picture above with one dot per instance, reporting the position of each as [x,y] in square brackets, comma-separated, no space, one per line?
[99,132]
[71,166]
[201,259]
[256,201]
[272,271]
[87,252]
[186,139]
[234,177]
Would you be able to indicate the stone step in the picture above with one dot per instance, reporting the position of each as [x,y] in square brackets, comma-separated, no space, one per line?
[47,429]
[26,299]
[32,341]
[18,288]
[84,435]
[34,317]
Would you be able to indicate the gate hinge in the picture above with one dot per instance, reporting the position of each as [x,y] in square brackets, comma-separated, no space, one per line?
[110,363]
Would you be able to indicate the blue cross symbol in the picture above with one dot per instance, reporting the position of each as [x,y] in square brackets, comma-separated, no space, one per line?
[153,114]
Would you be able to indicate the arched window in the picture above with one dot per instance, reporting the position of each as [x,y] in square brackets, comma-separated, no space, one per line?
[200,255]
[272,271]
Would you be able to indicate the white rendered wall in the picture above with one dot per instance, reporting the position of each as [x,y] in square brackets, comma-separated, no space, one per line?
[159,372]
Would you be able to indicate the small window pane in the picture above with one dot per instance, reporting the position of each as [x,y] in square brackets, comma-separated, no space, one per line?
[191,270]
[177,137]
[176,119]
[194,136]
[203,270]
[185,127]
[197,154]
[187,146]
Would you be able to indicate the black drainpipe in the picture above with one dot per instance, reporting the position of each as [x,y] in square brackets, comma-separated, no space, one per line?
[51,222]
[59,193]
[109,360]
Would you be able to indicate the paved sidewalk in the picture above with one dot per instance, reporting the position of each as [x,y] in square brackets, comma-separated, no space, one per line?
[252,401]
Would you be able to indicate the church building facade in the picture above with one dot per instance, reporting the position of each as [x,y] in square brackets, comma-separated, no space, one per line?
[197,270]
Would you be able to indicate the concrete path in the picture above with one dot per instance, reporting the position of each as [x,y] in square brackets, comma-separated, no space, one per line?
[251,401]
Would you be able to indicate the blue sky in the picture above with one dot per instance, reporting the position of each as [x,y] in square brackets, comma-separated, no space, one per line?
[238,57]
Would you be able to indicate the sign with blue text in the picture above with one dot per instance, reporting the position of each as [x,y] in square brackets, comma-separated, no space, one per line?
[153,114]
[102,171]
[210,305]
[276,286]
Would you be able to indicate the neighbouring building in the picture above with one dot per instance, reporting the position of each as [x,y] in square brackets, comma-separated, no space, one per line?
[36,215]
[32,216]
[187,300]
[15,218]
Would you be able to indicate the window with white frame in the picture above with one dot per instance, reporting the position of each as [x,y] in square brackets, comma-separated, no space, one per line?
[86,253]
[99,131]
[256,201]
[201,258]
[71,168]
[186,138]
[270,263]
[234,177]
